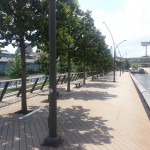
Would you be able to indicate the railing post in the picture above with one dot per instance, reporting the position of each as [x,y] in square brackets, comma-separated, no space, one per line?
[4,90]
[34,85]
[74,78]
[44,83]
[58,79]
[19,92]
[63,79]
[71,77]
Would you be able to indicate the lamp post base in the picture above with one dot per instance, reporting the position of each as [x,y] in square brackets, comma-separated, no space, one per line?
[52,141]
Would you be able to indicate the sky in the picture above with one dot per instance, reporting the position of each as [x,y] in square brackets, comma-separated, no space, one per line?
[126,19]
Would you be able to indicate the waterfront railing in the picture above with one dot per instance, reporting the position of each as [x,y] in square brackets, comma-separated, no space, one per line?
[13,86]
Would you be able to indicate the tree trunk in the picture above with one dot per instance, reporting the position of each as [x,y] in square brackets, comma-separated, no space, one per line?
[69,66]
[84,77]
[23,76]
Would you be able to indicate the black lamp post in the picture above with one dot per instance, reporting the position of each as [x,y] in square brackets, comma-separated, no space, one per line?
[53,140]
[114,80]
[120,53]
[120,61]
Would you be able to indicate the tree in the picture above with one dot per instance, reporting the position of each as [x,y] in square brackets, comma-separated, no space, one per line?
[92,50]
[14,67]
[127,64]
[79,44]
[19,19]
[68,30]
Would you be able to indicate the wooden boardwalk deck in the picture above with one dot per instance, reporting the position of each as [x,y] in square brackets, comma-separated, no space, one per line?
[101,115]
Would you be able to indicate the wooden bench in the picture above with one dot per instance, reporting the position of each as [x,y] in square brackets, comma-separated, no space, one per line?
[94,77]
[78,84]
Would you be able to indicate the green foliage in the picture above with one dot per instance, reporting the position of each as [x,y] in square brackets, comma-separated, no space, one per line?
[127,65]
[79,44]
[135,66]
[14,67]
[19,21]
[62,66]
[43,63]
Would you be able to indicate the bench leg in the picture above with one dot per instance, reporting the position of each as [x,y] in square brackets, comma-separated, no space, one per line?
[78,85]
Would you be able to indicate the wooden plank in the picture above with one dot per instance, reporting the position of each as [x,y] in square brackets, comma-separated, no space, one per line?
[36,143]
[2,122]
[4,136]
[28,135]
[9,139]
[22,137]
[16,136]
[74,135]
[2,125]
[45,120]
[70,137]
[77,124]
[40,133]
[67,138]
[44,127]
[44,131]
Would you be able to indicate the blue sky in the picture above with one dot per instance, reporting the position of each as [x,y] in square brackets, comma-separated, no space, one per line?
[127,20]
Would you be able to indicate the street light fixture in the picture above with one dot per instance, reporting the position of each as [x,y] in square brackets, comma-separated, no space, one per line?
[120,53]
[53,140]
[125,59]
[114,50]
[120,43]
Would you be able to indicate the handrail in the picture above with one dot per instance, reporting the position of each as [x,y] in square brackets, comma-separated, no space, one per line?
[43,79]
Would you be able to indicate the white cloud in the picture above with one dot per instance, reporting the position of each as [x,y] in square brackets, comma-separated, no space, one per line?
[131,23]
[10,48]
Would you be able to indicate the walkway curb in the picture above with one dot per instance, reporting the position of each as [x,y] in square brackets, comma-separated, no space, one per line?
[142,91]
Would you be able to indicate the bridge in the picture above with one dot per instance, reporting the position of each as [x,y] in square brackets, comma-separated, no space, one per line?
[140,61]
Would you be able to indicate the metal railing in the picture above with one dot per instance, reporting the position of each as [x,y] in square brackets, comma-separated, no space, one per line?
[13,86]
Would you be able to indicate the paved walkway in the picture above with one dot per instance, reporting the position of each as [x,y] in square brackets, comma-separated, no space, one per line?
[101,115]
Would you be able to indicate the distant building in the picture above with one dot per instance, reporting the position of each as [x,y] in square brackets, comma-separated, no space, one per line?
[5,56]
[119,62]
[143,61]
[28,48]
